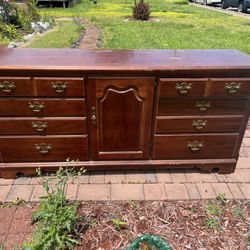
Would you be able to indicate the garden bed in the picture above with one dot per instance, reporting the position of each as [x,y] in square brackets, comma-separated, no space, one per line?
[56,38]
[184,224]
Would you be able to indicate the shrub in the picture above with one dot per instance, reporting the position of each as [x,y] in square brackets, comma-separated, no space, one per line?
[32,10]
[8,13]
[27,15]
[141,10]
[9,31]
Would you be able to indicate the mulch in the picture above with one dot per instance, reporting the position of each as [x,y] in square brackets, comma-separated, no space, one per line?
[180,223]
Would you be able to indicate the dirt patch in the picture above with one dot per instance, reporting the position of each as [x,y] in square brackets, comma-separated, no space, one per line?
[91,36]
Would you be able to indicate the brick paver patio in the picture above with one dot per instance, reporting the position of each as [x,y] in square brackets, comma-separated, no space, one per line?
[144,185]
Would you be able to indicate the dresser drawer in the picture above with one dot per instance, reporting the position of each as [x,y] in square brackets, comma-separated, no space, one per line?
[42,107]
[16,86]
[198,106]
[200,124]
[230,87]
[59,86]
[193,146]
[34,126]
[43,148]
[182,87]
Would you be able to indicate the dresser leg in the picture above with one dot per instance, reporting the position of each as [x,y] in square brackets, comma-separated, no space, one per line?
[222,168]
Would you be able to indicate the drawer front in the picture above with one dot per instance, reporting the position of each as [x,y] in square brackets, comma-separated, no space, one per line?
[200,124]
[16,86]
[193,146]
[59,86]
[182,87]
[205,106]
[230,87]
[30,126]
[42,107]
[47,148]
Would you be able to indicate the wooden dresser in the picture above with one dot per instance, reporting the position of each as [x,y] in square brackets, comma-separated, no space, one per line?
[122,109]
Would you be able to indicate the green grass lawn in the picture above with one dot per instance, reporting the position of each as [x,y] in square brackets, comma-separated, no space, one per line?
[62,36]
[180,27]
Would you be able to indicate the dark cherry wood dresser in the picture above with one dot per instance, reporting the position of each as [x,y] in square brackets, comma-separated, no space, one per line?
[122,109]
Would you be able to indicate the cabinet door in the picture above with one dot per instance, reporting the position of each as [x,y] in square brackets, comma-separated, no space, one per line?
[120,114]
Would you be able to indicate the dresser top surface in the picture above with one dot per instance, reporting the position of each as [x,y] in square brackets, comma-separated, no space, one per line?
[121,60]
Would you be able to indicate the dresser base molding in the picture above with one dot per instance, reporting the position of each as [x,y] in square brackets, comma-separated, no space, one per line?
[222,166]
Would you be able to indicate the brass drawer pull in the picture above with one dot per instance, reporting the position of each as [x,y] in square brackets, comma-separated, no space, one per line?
[183,88]
[59,87]
[195,145]
[203,105]
[36,106]
[232,87]
[93,115]
[43,148]
[7,87]
[40,126]
[199,124]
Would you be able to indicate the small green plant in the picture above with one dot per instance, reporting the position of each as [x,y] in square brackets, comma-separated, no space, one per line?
[2,247]
[56,218]
[119,224]
[141,10]
[213,209]
[238,212]
[221,198]
[212,223]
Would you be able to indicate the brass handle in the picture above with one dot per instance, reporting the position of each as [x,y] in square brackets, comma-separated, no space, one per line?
[40,126]
[195,145]
[183,88]
[232,87]
[93,115]
[199,124]
[59,87]
[7,87]
[203,105]
[43,148]
[36,106]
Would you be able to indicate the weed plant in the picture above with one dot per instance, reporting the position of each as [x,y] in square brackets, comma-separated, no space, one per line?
[56,219]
